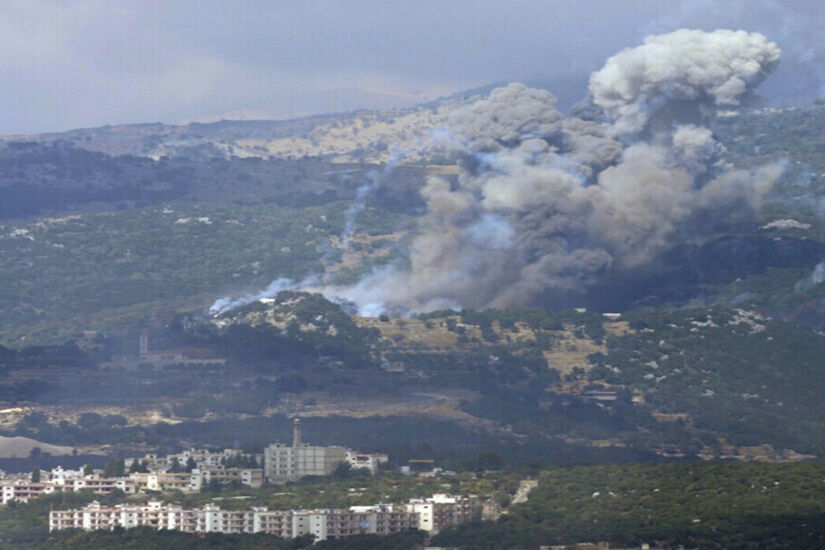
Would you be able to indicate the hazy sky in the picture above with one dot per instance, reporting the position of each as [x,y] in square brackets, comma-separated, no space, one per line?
[80,63]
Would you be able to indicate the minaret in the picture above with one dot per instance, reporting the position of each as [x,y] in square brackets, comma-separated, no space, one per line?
[144,343]
[296,433]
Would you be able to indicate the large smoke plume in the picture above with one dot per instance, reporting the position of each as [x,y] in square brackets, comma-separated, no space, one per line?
[547,204]
[689,69]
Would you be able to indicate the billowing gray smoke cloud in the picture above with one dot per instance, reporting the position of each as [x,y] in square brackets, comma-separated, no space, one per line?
[547,203]
[685,68]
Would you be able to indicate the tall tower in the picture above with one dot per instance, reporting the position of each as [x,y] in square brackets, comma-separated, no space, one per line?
[144,342]
[296,433]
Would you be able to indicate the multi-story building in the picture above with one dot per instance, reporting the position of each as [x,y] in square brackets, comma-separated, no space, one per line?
[196,480]
[59,475]
[281,463]
[203,458]
[164,358]
[22,490]
[441,511]
[368,461]
[323,524]
[102,485]
[284,462]
[251,477]
[152,461]
[200,459]
[188,482]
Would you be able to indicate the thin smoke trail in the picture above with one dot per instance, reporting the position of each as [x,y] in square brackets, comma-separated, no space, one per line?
[376,179]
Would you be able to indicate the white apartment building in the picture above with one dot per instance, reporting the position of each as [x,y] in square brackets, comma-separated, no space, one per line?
[324,524]
[205,461]
[196,480]
[441,511]
[102,485]
[284,462]
[59,475]
[281,462]
[203,458]
[250,477]
[24,490]
[369,461]
[188,482]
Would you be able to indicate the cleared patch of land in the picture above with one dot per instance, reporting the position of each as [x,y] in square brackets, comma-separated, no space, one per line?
[21,447]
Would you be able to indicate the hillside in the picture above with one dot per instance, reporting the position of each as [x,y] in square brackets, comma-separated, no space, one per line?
[765,263]
[359,136]
[714,354]
[719,505]
[709,382]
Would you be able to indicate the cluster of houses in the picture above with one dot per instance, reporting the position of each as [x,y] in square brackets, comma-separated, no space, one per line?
[429,514]
[22,488]
[192,470]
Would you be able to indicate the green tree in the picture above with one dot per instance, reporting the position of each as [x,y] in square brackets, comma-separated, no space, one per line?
[342,471]
[139,467]
[36,475]
[114,468]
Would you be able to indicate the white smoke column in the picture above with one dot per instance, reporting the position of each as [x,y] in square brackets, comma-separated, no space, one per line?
[704,70]
[376,178]
[816,277]
[223,305]
[359,203]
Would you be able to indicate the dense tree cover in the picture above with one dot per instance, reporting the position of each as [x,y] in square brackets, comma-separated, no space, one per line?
[32,357]
[315,327]
[52,177]
[708,505]
[749,379]
[407,540]
[794,133]
[731,374]
[114,468]
[146,538]
[97,271]
[46,177]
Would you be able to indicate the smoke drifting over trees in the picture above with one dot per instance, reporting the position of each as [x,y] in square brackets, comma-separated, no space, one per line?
[547,204]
